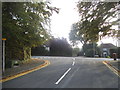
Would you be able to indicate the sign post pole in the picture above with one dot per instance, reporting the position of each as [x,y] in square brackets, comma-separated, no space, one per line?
[3,53]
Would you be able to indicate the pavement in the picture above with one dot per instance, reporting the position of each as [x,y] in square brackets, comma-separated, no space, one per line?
[68,72]
[28,65]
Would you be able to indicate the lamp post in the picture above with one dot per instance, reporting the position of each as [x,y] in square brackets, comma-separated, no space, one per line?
[3,53]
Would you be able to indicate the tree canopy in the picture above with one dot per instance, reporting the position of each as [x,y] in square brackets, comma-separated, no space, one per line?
[22,17]
[60,47]
[96,17]
[23,24]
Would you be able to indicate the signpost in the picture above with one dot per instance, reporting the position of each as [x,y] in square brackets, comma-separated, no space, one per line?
[3,53]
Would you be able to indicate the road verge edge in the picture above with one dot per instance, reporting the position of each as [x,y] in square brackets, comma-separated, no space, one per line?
[46,63]
[111,67]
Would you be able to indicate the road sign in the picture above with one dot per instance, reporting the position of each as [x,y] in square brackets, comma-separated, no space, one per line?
[3,38]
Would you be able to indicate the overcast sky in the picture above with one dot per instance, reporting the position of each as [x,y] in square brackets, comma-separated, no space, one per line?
[61,23]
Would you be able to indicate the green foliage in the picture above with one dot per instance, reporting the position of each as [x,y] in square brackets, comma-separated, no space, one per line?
[91,49]
[19,18]
[95,18]
[40,51]
[60,47]
[81,53]
[23,25]
[76,35]
[75,51]
[89,53]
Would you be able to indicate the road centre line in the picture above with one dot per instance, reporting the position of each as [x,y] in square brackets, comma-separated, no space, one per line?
[73,63]
[73,58]
[63,76]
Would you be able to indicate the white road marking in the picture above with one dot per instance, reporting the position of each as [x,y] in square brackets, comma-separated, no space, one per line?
[73,63]
[73,58]
[63,76]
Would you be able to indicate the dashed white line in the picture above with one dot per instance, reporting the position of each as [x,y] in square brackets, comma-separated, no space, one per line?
[73,63]
[73,58]
[63,76]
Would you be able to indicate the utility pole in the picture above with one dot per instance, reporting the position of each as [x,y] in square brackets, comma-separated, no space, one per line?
[3,53]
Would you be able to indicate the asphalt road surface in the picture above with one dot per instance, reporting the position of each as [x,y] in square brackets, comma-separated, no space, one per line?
[68,72]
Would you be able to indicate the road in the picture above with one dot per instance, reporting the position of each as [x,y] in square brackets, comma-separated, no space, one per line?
[68,72]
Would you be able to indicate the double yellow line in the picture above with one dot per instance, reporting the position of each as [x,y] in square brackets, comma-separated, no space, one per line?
[26,72]
[115,70]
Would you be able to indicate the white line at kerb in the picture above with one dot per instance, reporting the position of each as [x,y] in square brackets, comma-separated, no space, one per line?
[73,63]
[63,76]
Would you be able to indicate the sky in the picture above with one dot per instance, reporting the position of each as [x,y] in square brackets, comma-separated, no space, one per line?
[61,23]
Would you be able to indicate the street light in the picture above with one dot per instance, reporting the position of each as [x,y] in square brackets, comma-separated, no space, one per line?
[3,53]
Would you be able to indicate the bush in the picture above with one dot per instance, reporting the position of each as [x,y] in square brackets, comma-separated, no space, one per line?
[8,64]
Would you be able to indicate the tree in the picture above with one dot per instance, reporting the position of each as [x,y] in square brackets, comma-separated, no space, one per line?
[95,19]
[40,51]
[90,50]
[76,51]
[76,35]
[23,24]
[60,47]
